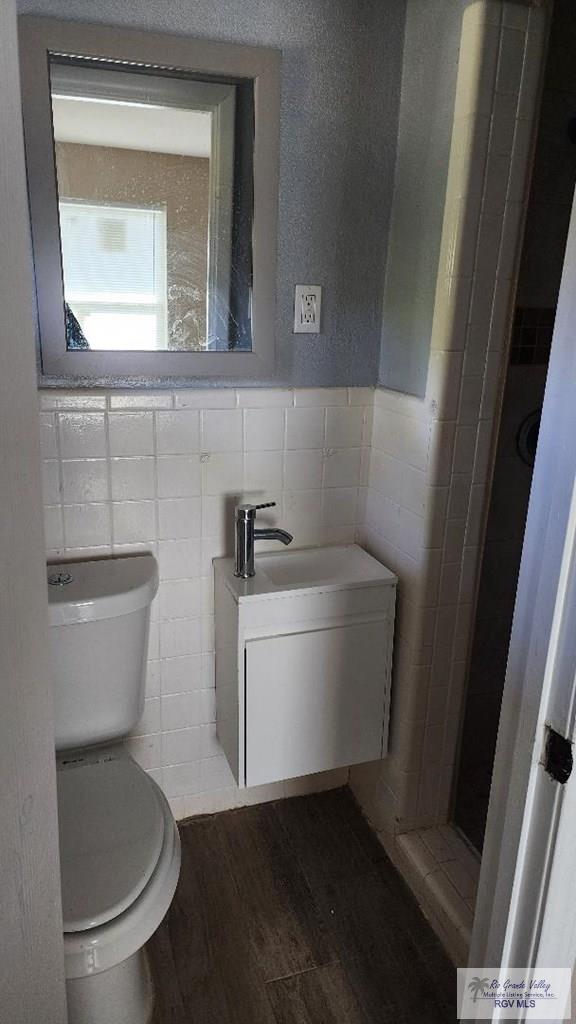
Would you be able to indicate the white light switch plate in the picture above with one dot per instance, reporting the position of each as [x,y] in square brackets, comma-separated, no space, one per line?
[307,308]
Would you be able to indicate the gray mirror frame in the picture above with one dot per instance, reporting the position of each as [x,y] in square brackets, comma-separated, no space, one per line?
[40,37]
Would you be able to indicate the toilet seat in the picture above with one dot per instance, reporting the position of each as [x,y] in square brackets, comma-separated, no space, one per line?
[111,833]
[100,947]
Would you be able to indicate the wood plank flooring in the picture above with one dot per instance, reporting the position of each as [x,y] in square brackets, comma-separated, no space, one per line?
[291,913]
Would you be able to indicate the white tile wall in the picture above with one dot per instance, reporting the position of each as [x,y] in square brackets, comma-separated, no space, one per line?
[443,872]
[161,471]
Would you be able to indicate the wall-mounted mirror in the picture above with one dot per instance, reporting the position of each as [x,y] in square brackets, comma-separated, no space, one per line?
[153,192]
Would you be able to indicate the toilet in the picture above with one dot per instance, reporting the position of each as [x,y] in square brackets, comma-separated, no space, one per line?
[119,844]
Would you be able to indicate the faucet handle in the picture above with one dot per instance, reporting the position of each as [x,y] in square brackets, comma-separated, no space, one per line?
[246,512]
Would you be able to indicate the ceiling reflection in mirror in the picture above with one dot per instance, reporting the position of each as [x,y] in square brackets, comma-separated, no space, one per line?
[155,209]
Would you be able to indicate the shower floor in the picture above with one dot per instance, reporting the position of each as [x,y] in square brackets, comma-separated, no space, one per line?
[291,913]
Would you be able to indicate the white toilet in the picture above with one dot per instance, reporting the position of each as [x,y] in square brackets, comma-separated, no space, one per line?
[119,844]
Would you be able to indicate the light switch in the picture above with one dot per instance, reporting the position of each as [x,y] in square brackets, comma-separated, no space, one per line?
[307,308]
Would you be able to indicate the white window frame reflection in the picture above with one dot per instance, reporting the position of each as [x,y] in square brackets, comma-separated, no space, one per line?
[86,304]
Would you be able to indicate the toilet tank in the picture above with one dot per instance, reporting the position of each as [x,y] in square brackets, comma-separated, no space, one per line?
[99,619]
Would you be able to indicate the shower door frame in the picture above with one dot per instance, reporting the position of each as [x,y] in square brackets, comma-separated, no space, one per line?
[523,916]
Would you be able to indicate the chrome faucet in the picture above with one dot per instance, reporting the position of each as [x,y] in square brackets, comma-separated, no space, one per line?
[246,534]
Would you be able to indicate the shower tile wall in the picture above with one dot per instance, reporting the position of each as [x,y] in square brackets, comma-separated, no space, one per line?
[406,509]
[162,472]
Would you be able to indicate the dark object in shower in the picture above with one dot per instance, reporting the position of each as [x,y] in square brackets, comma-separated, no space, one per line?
[557,756]
[527,437]
[75,339]
[571,132]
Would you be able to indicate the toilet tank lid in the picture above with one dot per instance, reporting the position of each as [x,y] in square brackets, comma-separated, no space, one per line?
[100,589]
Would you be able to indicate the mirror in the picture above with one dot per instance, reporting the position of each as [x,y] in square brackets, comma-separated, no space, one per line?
[145,173]
[153,241]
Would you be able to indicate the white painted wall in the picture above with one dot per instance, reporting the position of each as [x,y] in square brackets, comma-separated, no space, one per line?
[31,961]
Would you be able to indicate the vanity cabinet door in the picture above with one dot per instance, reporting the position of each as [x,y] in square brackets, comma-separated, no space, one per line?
[316,700]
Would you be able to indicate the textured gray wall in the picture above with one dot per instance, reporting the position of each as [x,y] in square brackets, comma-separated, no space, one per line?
[340,94]
[431,45]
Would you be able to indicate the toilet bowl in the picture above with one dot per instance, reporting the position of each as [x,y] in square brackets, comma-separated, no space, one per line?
[119,843]
[120,864]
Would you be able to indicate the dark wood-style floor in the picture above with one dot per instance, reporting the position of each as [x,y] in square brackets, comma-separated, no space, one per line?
[290,913]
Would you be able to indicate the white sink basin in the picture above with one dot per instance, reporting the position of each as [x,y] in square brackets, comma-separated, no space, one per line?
[330,568]
[319,565]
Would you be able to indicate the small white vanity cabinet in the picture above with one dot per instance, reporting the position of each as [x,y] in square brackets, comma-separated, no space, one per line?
[303,662]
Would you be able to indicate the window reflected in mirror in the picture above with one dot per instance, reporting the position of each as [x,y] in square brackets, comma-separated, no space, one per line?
[155,209]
